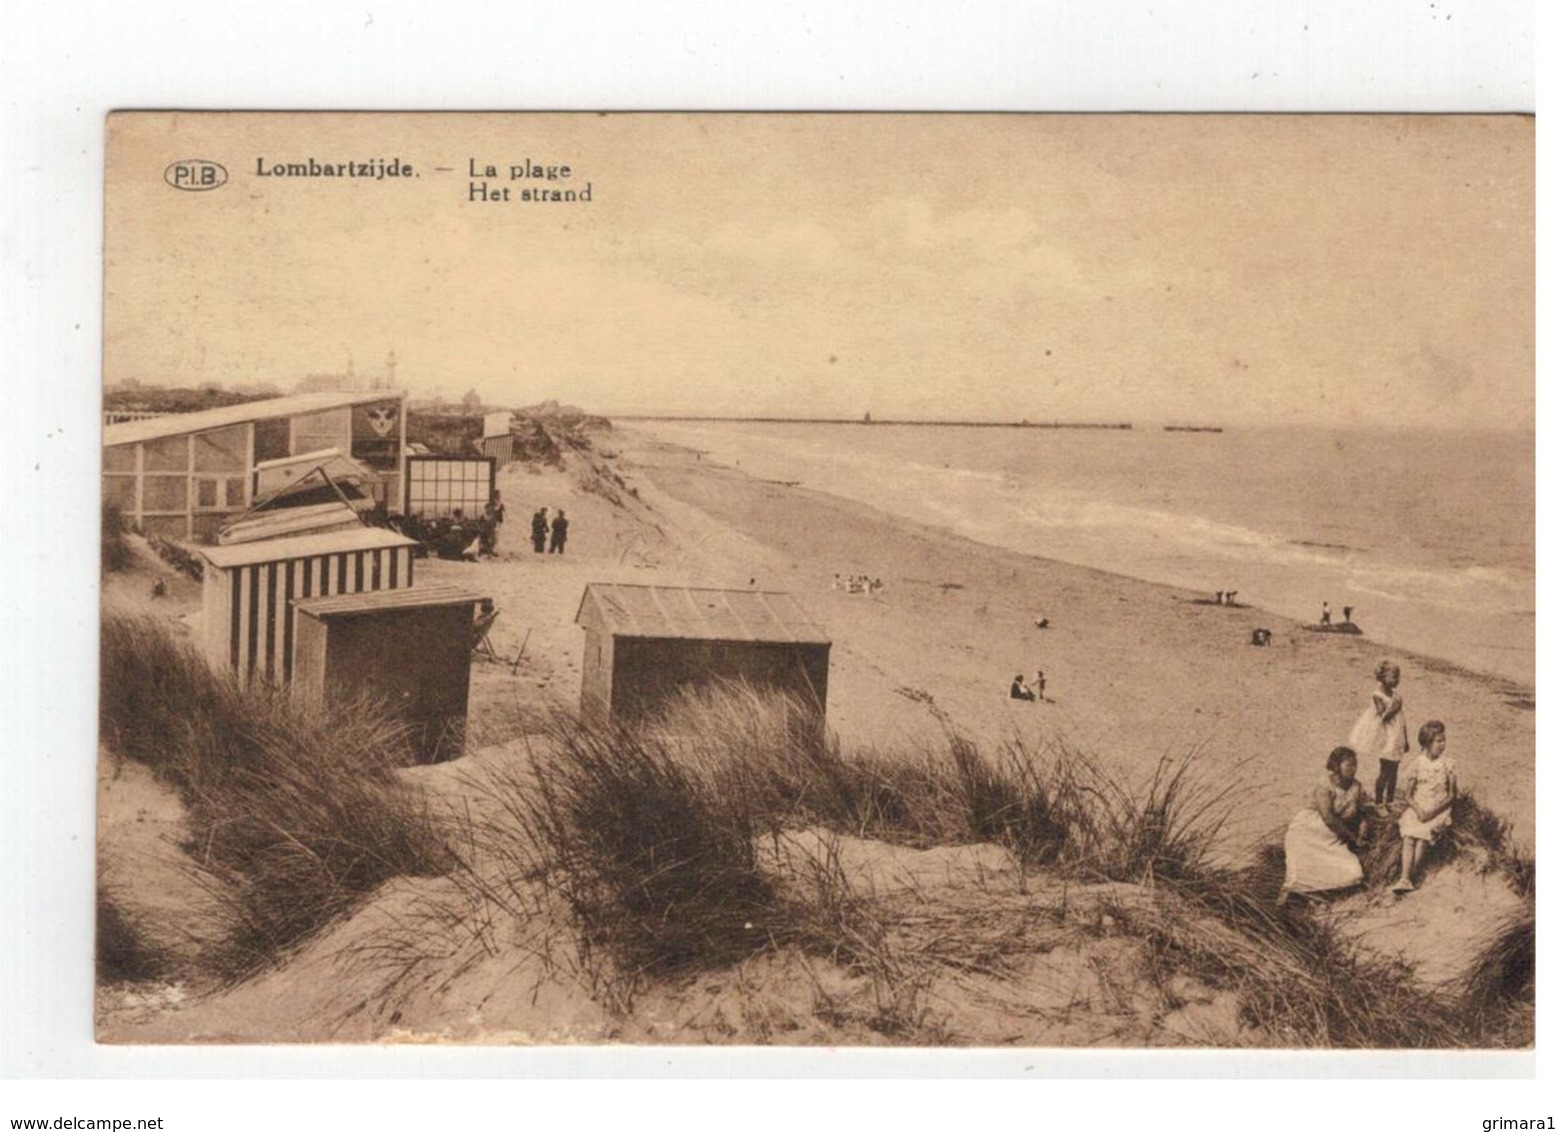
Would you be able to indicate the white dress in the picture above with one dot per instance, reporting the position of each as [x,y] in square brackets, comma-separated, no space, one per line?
[1374,738]
[1317,859]
[1428,783]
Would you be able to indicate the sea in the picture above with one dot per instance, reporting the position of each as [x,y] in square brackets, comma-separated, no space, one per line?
[1427,534]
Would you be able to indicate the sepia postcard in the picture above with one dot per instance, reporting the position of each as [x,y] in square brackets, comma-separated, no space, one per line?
[983,580]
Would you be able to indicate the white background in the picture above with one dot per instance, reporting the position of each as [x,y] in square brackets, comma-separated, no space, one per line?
[62,67]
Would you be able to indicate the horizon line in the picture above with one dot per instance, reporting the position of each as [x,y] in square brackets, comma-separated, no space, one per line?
[1172,424]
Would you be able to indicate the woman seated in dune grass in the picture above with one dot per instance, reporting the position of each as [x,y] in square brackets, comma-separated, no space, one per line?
[1322,840]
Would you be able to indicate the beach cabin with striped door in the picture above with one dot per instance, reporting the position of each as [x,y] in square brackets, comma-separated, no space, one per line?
[249,589]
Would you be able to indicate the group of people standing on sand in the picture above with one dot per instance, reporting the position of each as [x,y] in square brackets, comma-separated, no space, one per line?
[553,533]
[1324,839]
[1325,614]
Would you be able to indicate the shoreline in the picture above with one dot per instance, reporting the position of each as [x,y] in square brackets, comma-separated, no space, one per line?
[1140,674]
[1450,613]
[1432,660]
[1137,670]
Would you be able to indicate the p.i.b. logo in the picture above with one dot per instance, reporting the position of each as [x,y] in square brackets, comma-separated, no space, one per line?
[195,175]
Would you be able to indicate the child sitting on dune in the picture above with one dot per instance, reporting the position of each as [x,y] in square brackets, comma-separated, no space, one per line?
[1429,785]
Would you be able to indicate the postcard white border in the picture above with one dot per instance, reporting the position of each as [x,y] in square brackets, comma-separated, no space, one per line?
[78,61]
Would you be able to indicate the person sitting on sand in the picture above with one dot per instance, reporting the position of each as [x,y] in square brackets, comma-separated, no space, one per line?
[1321,844]
[1261,637]
[1019,689]
[1430,790]
[1042,623]
[1381,731]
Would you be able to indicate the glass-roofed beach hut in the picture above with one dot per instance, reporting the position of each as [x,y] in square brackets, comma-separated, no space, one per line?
[184,475]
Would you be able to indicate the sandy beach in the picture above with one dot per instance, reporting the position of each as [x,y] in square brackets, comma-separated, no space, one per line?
[1136,673]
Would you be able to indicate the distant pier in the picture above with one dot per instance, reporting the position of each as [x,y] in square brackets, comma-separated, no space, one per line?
[1122,426]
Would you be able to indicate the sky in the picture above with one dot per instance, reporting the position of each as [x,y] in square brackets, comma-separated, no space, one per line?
[1322,270]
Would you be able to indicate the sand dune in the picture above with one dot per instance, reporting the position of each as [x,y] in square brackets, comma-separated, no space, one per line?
[1136,672]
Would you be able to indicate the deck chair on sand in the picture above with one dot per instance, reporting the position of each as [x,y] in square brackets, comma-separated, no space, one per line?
[482,623]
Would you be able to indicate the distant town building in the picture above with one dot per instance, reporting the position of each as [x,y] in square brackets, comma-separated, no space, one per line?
[346,382]
[350,380]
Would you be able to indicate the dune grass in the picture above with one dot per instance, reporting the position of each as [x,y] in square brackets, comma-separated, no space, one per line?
[1299,980]
[650,838]
[656,862]
[124,951]
[1476,834]
[293,811]
[1499,987]
[115,553]
[1049,805]
[661,848]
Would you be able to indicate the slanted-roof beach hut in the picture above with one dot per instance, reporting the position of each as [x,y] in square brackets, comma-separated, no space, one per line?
[290,522]
[646,643]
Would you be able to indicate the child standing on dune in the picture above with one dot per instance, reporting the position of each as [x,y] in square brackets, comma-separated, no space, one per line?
[1430,789]
[1381,732]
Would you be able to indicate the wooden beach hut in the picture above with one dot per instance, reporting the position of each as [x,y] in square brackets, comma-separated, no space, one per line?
[411,648]
[247,589]
[497,439]
[646,643]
